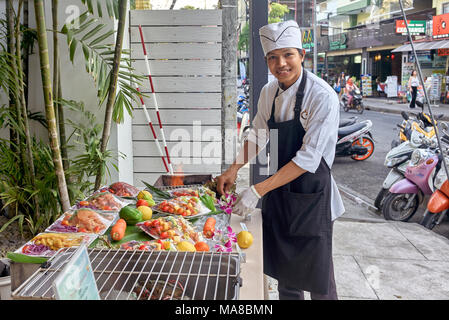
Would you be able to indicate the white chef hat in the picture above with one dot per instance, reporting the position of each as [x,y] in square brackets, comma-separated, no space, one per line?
[280,35]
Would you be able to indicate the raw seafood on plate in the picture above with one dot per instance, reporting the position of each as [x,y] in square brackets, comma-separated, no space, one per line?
[185,206]
[88,220]
[156,245]
[169,227]
[104,200]
[184,192]
[123,189]
[47,244]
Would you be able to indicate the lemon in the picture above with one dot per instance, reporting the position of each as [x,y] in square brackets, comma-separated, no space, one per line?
[245,239]
[144,194]
[186,246]
[147,213]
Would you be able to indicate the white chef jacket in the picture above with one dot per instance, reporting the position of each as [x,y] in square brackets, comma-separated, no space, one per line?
[319,118]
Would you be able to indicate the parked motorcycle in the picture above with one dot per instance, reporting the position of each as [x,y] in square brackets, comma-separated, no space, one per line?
[438,204]
[355,141]
[406,195]
[347,122]
[398,159]
[420,122]
[356,104]
[243,118]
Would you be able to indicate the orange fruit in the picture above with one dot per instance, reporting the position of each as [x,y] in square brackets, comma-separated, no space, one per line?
[201,246]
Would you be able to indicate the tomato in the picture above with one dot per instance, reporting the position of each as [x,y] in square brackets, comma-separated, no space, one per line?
[64,222]
[111,191]
[84,203]
[25,248]
[159,241]
[107,208]
[142,202]
[147,223]
[97,229]
[155,223]
[164,235]
[166,208]
[157,230]
[82,230]
[171,210]
[180,211]
[184,213]
[143,247]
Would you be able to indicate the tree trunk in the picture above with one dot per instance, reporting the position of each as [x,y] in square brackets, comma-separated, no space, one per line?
[26,128]
[13,135]
[173,3]
[57,86]
[112,87]
[26,57]
[48,98]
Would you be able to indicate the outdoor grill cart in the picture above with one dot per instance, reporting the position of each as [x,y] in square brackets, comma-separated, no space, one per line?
[144,264]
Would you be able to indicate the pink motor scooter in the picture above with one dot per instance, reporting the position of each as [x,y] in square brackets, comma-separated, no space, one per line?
[406,195]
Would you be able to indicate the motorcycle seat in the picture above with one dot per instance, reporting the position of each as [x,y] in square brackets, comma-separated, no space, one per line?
[345,131]
[346,122]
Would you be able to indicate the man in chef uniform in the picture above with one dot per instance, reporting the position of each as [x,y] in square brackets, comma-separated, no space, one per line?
[301,200]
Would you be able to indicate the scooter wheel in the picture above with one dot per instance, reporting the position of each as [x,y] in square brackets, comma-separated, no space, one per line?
[429,219]
[393,208]
[380,199]
[367,143]
[360,108]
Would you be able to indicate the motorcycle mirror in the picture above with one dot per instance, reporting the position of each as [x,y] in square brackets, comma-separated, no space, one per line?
[444,126]
[440,116]
[404,115]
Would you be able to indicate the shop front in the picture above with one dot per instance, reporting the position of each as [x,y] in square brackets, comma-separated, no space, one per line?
[347,61]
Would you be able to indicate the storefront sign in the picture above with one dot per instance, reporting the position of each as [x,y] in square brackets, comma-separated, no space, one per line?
[441,26]
[443,52]
[339,43]
[307,39]
[416,27]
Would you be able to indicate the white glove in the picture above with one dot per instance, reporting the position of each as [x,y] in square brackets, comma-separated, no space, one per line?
[246,201]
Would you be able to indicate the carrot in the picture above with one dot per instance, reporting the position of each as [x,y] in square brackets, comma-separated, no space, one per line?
[209,227]
[118,230]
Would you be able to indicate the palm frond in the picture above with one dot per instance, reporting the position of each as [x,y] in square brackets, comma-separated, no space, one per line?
[96,42]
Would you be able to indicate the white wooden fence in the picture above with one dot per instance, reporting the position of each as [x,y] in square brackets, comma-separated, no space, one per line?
[184,51]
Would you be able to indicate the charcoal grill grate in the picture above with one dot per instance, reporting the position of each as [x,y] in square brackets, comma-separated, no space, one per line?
[132,274]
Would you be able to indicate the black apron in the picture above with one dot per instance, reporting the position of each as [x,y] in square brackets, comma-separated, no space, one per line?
[297,238]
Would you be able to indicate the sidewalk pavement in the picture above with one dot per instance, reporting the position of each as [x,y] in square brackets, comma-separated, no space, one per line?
[376,259]
[393,106]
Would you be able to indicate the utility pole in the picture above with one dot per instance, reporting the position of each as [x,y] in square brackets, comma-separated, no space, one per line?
[228,75]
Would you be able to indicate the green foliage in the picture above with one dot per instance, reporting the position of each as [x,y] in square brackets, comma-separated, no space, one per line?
[88,33]
[244,39]
[188,7]
[276,14]
[16,192]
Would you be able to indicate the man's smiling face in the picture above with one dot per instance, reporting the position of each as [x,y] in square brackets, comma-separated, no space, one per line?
[285,65]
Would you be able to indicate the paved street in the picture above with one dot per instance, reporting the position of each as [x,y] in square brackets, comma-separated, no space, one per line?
[364,179]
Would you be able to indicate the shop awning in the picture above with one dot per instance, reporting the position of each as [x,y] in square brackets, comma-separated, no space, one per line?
[421,46]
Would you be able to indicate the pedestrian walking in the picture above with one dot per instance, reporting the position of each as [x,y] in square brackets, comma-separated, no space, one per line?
[413,84]
[301,200]
[342,84]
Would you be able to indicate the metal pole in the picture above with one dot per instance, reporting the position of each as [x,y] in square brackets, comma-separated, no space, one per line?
[421,79]
[315,49]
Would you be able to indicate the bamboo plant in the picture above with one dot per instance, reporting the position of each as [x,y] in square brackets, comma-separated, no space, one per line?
[49,107]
